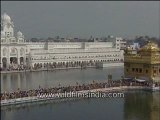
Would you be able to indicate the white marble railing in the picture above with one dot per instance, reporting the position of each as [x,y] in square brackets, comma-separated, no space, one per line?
[51,51]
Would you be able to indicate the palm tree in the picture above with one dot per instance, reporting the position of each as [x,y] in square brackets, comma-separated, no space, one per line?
[93,82]
[77,83]
[59,85]
[109,78]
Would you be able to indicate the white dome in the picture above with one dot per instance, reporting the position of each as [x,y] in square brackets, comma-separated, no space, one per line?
[6,17]
[19,34]
[2,34]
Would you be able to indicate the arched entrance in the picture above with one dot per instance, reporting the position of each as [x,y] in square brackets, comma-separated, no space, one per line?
[4,62]
[13,60]
[27,61]
[35,65]
[21,60]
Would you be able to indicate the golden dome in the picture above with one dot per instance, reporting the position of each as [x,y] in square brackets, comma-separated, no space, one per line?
[129,48]
[150,46]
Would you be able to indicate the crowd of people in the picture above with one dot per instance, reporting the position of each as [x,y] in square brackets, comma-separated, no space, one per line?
[15,67]
[94,85]
[48,66]
[55,65]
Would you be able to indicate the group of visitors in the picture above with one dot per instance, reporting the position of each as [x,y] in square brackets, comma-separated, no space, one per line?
[16,67]
[94,85]
[55,65]
[48,66]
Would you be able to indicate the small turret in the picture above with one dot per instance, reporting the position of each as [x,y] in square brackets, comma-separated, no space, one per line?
[128,50]
[19,34]
[20,37]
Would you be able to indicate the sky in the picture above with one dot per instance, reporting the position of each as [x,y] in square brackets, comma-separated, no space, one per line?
[43,19]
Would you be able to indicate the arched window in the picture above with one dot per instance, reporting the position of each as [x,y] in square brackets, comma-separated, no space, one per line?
[4,51]
[22,51]
[13,51]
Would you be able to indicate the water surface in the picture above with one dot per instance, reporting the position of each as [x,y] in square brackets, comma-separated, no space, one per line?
[45,79]
[137,105]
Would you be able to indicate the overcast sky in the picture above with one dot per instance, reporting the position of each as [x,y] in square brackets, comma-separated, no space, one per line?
[83,19]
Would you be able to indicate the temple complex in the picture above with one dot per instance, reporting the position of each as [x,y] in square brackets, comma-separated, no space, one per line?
[143,63]
[16,51]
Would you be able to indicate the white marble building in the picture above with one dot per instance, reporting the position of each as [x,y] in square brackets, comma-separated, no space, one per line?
[15,50]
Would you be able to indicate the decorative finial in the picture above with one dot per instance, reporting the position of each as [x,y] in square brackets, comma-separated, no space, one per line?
[149,41]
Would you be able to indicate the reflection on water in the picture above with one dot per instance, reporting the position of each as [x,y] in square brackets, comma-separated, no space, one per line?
[88,109]
[32,80]
[142,106]
[137,105]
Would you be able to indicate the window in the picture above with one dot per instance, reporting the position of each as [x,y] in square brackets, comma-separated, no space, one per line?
[155,71]
[127,70]
[146,71]
[8,34]
[4,51]
[140,70]
[13,51]
[133,69]
[22,51]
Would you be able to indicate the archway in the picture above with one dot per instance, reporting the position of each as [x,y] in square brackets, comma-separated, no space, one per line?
[35,65]
[4,61]
[44,65]
[41,65]
[13,60]
[21,60]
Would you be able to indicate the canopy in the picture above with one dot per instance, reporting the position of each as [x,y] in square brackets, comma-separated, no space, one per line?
[140,80]
[128,78]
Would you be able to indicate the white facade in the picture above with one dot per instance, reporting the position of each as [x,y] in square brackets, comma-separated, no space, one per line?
[14,49]
[134,46]
[120,43]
